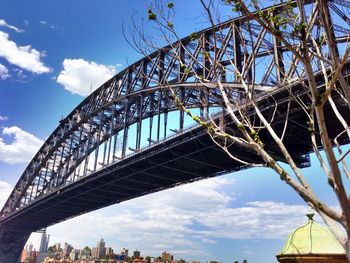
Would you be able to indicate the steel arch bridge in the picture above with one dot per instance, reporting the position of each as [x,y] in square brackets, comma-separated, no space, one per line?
[128,138]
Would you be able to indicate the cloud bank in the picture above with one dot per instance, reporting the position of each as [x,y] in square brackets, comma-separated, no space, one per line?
[82,77]
[22,147]
[184,220]
[24,57]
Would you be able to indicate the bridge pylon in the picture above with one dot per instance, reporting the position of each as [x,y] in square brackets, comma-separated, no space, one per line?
[11,245]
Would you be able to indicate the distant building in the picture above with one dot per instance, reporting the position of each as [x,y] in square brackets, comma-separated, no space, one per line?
[125,252]
[74,254]
[33,257]
[25,254]
[167,257]
[93,252]
[57,246]
[100,248]
[136,254]
[44,242]
[41,257]
[84,254]
[109,251]
[312,243]
[120,257]
[67,249]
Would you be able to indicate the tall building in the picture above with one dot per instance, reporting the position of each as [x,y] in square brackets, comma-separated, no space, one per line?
[125,252]
[101,249]
[44,242]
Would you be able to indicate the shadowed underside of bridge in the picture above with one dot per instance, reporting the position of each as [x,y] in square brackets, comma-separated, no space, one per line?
[128,138]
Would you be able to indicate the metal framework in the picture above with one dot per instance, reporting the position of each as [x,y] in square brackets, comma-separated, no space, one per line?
[122,129]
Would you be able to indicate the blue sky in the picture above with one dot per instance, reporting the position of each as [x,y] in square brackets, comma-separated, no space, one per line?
[52,53]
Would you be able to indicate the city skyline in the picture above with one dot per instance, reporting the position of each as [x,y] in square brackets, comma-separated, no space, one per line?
[245,215]
[100,251]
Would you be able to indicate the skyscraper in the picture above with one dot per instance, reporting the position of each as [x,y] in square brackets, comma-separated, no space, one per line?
[44,242]
[100,248]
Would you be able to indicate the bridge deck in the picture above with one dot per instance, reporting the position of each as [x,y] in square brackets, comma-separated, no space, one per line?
[188,156]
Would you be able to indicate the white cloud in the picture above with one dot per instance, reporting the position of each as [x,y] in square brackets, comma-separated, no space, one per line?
[3,118]
[82,77]
[4,24]
[24,57]
[5,190]
[43,22]
[185,220]
[4,72]
[22,148]
[261,219]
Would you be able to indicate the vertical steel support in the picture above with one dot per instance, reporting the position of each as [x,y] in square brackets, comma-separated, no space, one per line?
[77,157]
[112,135]
[87,148]
[108,132]
[65,168]
[237,49]
[160,98]
[181,72]
[139,123]
[98,141]
[53,170]
[331,38]
[45,182]
[160,93]
[151,118]
[126,129]
[165,122]
[115,141]
[59,166]
[126,114]
[203,92]
[278,57]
